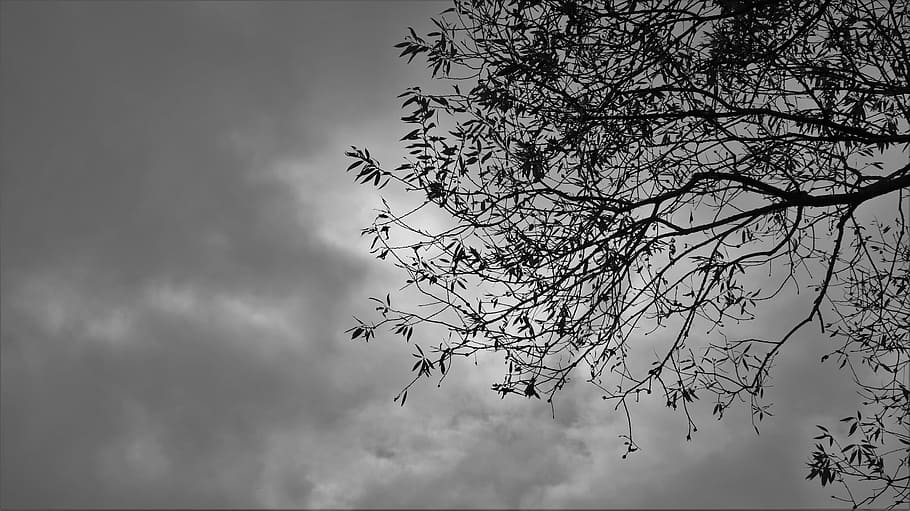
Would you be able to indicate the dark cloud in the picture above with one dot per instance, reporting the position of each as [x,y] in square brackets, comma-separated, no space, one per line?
[202,398]
[117,144]
[136,143]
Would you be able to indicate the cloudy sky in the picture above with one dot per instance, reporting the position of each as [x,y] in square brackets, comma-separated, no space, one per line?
[180,259]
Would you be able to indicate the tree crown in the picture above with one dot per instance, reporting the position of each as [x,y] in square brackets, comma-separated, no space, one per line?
[619,168]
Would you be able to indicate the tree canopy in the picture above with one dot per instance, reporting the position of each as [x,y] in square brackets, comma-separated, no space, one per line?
[621,174]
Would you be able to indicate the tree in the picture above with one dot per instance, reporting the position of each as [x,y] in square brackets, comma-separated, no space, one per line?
[623,168]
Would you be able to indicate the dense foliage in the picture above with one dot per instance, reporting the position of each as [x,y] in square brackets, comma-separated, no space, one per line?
[622,168]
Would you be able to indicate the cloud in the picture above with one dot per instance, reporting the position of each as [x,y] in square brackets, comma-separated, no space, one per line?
[169,305]
[180,260]
[164,308]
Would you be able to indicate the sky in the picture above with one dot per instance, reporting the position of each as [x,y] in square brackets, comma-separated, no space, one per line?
[181,256]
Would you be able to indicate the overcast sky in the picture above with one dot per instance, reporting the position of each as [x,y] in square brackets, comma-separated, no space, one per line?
[181,257]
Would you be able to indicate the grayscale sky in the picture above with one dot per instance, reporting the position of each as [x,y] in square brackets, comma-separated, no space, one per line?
[181,257]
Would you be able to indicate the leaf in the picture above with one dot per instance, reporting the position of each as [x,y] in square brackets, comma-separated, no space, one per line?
[411,136]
